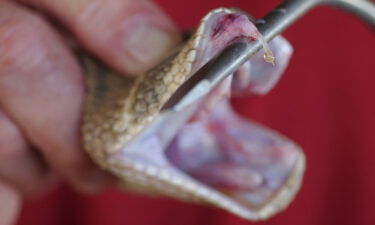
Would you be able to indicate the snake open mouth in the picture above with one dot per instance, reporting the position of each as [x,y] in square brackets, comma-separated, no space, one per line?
[207,152]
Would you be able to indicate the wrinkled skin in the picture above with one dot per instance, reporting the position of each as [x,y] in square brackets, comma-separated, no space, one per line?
[42,86]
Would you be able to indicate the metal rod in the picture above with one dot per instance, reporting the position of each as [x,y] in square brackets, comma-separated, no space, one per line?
[276,21]
[365,10]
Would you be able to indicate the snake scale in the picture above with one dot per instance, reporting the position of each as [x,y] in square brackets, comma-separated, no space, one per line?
[125,132]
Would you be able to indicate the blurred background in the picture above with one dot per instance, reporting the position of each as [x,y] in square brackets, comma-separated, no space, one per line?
[324,102]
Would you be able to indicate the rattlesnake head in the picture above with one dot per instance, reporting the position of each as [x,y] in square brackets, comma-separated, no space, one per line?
[205,152]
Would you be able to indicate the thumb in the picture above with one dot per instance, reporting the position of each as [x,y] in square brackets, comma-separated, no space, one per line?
[129,35]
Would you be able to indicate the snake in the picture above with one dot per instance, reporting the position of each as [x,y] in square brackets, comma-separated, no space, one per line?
[205,152]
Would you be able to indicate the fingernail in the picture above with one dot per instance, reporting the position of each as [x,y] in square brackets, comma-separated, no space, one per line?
[146,44]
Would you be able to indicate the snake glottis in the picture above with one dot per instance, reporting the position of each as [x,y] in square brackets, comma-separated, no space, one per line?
[204,152]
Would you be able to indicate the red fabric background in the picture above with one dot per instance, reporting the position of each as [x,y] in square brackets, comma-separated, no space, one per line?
[324,102]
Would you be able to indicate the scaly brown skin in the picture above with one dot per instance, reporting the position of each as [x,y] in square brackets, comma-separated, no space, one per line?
[117,108]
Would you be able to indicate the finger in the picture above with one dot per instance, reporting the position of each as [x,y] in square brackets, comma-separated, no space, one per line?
[19,165]
[130,35]
[41,87]
[10,204]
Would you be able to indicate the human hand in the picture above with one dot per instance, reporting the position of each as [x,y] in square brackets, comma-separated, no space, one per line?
[42,86]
